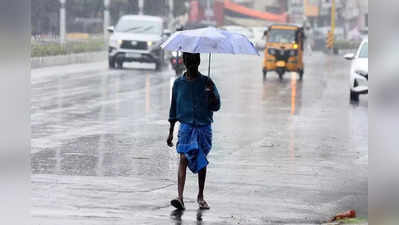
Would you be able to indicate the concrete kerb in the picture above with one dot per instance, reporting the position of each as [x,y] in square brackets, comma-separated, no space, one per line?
[348,221]
[40,62]
[343,223]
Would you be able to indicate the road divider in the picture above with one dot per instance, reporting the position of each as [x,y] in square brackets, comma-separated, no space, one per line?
[39,62]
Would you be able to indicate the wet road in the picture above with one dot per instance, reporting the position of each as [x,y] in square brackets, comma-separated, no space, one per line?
[289,152]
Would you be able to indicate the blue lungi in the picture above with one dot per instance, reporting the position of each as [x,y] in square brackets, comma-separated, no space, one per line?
[195,142]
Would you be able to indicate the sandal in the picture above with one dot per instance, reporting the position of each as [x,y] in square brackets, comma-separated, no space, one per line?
[178,204]
[203,204]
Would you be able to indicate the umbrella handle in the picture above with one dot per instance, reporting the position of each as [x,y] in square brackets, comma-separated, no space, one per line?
[209,66]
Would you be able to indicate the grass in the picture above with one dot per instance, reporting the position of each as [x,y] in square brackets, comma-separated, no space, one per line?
[43,49]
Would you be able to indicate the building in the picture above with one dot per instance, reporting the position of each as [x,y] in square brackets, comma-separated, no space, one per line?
[296,11]
[355,16]
[272,6]
[312,11]
[356,13]
[236,12]
[364,14]
[247,3]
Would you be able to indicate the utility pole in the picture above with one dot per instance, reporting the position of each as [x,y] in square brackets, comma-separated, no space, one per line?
[62,22]
[331,33]
[171,16]
[171,9]
[208,11]
[106,18]
[333,11]
[141,7]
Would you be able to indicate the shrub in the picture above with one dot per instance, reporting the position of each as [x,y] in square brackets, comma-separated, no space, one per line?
[42,49]
[345,44]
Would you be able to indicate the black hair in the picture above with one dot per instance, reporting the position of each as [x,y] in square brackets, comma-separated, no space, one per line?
[191,59]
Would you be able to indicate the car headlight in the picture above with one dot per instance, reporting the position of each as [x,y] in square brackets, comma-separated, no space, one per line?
[150,43]
[115,43]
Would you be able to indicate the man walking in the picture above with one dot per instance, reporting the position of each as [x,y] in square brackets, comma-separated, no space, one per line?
[194,99]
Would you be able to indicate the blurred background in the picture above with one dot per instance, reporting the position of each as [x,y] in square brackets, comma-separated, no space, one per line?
[72,21]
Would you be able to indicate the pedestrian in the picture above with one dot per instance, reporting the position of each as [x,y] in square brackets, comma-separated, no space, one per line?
[309,40]
[194,99]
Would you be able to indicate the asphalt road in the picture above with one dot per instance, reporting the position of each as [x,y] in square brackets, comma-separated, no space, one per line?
[285,152]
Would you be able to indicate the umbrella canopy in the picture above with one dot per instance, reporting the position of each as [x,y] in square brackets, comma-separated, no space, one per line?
[209,40]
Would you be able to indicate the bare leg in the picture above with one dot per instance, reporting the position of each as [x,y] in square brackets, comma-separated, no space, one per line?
[201,183]
[181,176]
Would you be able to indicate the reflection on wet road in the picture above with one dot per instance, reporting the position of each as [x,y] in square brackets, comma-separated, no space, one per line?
[285,151]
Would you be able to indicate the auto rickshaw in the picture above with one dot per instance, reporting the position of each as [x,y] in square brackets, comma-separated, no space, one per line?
[284,50]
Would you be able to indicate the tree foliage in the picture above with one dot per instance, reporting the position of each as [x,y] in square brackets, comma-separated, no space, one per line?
[44,16]
[180,7]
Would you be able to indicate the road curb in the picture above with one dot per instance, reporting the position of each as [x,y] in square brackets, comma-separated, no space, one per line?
[343,222]
[40,62]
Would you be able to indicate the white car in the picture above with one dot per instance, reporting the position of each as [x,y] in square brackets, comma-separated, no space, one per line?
[137,38]
[359,71]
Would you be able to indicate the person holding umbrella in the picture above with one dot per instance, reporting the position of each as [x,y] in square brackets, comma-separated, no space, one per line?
[194,99]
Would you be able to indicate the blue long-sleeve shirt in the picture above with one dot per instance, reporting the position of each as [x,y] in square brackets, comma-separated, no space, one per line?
[190,102]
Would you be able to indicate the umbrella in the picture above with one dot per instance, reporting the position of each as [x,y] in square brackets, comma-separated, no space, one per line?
[209,40]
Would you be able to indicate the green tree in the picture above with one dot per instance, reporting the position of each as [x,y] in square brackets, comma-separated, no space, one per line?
[156,7]
[119,8]
[86,9]
[44,16]
[180,7]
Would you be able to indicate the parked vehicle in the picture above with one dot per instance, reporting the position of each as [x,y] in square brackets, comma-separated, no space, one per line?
[137,38]
[359,71]
[284,50]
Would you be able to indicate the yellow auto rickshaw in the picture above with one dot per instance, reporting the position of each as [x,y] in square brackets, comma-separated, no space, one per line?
[284,50]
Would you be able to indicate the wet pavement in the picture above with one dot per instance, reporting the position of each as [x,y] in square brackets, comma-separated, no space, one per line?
[285,152]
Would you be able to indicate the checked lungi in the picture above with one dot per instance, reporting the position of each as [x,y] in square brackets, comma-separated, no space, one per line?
[195,142]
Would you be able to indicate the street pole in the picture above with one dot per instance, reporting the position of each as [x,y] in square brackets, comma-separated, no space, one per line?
[106,18]
[171,8]
[171,20]
[141,7]
[62,22]
[333,11]
[208,9]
